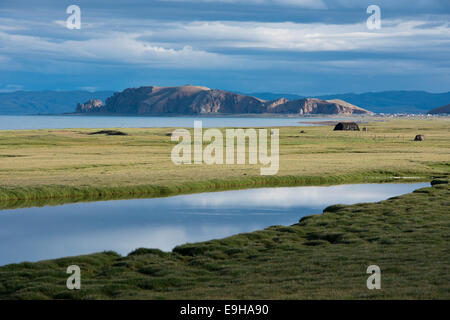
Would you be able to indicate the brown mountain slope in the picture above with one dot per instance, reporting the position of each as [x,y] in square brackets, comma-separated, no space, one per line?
[201,100]
[317,106]
[181,100]
[346,104]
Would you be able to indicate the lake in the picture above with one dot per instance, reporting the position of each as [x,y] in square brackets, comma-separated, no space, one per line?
[65,122]
[32,234]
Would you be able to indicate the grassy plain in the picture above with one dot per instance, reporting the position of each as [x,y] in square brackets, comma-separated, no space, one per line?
[53,166]
[322,257]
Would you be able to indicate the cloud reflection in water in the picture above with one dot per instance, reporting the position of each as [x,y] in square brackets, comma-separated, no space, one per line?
[32,234]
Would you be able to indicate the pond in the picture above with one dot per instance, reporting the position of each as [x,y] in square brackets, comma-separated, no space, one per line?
[38,233]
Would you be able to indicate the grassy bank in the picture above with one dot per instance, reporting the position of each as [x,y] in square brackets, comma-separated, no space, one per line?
[30,196]
[322,257]
[56,166]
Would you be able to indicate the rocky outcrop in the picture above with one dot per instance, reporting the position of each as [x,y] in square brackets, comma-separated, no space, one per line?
[317,106]
[274,104]
[180,100]
[94,105]
[201,100]
[348,107]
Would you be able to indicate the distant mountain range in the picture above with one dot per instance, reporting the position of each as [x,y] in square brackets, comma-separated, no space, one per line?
[441,110]
[54,102]
[381,102]
[189,99]
[46,102]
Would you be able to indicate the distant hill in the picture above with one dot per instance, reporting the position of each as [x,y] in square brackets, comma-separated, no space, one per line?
[441,110]
[312,106]
[382,102]
[395,101]
[29,102]
[34,102]
[275,96]
[345,104]
[201,100]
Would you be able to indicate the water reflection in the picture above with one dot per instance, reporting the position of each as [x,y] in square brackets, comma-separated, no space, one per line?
[32,234]
[292,197]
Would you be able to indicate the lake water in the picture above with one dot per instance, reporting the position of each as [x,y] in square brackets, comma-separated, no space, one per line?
[33,234]
[65,122]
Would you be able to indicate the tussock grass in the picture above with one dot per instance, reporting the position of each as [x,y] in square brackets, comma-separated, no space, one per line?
[321,257]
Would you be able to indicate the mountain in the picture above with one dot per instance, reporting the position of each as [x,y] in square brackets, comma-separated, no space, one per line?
[180,100]
[201,100]
[383,102]
[395,101]
[313,106]
[440,110]
[275,96]
[93,105]
[46,102]
[347,105]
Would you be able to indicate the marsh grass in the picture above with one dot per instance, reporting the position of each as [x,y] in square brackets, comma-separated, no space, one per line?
[56,166]
[322,257]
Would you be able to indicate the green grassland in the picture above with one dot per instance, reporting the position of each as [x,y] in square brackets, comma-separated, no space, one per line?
[322,257]
[54,166]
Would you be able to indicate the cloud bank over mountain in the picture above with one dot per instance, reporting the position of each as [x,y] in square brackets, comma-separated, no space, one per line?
[294,46]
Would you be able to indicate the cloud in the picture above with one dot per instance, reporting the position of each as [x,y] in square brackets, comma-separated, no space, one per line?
[310,4]
[115,47]
[234,44]
[10,87]
[89,88]
[396,35]
[389,4]
[8,63]
[381,66]
[250,40]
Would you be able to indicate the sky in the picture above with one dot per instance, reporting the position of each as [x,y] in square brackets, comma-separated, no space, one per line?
[305,47]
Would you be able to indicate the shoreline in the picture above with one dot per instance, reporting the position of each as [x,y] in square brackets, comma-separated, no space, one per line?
[50,195]
[215,115]
[388,191]
[310,251]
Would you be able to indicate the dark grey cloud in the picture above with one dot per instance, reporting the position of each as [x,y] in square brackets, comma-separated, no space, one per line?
[334,11]
[256,45]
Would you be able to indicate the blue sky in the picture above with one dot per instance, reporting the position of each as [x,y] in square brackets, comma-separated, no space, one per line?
[308,47]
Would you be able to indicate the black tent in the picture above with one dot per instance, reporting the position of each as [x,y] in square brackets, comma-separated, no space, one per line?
[352,126]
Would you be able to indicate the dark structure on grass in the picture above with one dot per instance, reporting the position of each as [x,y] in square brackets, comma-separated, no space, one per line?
[348,126]
[419,137]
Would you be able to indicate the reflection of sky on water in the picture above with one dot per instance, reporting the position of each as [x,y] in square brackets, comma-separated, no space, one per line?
[43,233]
[293,197]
